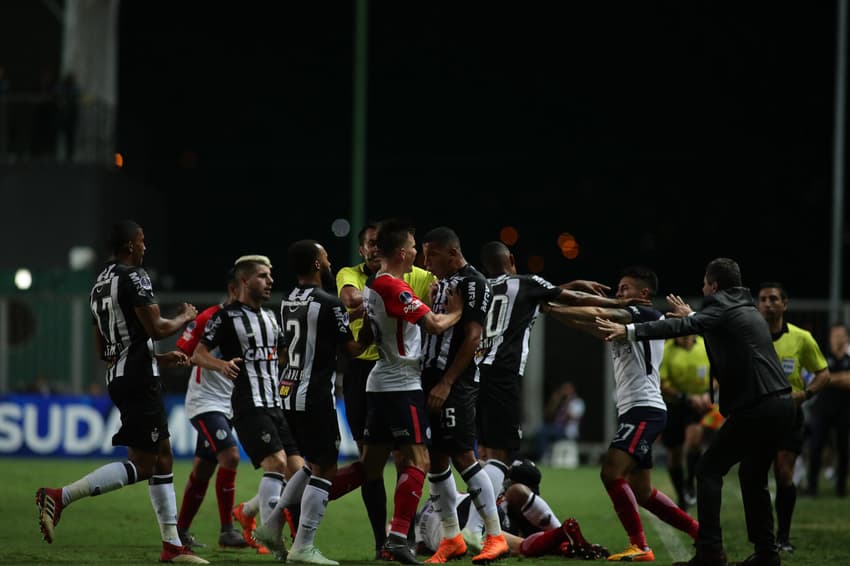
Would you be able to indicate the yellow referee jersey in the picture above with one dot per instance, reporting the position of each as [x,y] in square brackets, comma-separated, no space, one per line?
[797,349]
[419,280]
[685,370]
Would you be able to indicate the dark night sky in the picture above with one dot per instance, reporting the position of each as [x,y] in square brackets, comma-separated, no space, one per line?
[663,134]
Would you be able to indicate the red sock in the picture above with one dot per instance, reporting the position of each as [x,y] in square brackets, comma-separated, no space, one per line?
[347,479]
[408,492]
[193,496]
[662,507]
[225,491]
[542,543]
[627,510]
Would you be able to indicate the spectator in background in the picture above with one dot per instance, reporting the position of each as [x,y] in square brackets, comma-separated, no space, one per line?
[831,411]
[563,414]
[68,113]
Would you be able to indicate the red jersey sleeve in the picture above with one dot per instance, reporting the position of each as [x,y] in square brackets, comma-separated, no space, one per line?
[194,330]
[399,299]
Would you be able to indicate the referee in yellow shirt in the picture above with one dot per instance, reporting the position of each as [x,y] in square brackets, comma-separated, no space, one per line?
[684,384]
[796,349]
[350,282]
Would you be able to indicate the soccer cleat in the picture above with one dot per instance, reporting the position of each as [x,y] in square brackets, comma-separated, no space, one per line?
[396,549]
[474,540]
[248,525]
[272,541]
[634,554]
[49,503]
[188,539]
[495,548]
[309,555]
[759,559]
[179,555]
[579,547]
[449,549]
[231,538]
[786,546]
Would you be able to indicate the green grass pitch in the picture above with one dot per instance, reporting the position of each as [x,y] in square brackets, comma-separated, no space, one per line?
[120,527]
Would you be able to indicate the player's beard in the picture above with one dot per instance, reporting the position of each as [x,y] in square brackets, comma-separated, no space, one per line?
[328,281]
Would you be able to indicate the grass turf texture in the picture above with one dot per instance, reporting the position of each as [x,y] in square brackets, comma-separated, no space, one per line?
[120,527]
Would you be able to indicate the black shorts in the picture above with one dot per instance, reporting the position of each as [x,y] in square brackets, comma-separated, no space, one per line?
[637,430]
[354,392]
[794,439]
[144,423]
[396,418]
[263,432]
[454,426]
[680,415]
[215,434]
[316,433]
[498,410]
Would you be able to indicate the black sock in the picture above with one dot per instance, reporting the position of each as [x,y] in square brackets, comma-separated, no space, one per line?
[692,461]
[786,498]
[375,498]
[677,476]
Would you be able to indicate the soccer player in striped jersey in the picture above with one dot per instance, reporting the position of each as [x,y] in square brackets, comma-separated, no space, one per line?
[350,282]
[514,308]
[641,414]
[450,379]
[316,327]
[209,410]
[127,321]
[684,385]
[396,417]
[797,350]
[248,336]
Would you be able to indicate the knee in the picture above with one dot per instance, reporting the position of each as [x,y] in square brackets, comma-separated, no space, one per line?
[229,458]
[516,496]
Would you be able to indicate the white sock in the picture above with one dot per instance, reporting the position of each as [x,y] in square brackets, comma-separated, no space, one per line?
[479,487]
[444,500]
[539,514]
[314,501]
[295,488]
[161,489]
[102,480]
[252,506]
[496,471]
[268,496]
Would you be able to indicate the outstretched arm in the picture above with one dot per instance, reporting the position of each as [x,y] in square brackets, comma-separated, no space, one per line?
[584,318]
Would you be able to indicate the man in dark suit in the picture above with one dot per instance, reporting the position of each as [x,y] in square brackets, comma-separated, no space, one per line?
[756,401]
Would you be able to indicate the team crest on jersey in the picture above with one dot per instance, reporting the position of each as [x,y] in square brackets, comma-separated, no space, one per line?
[405,297]
[234,314]
[266,437]
[221,434]
[142,283]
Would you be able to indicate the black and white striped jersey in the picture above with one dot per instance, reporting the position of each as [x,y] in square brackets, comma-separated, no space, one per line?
[513,310]
[440,350]
[314,323]
[240,331]
[119,289]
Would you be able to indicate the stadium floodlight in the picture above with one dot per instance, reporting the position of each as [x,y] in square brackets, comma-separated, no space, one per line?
[23,279]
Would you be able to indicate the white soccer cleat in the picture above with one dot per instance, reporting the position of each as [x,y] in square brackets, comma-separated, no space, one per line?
[309,555]
[271,540]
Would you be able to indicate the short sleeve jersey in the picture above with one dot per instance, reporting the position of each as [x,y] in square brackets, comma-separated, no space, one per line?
[514,308]
[118,290]
[440,350]
[636,367]
[419,280]
[314,324]
[240,331]
[686,370]
[394,311]
[797,350]
[208,390]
